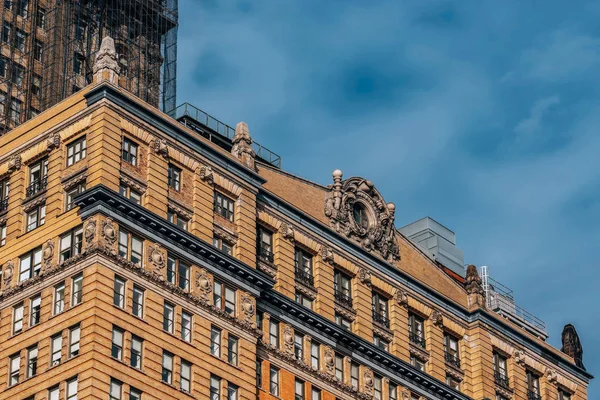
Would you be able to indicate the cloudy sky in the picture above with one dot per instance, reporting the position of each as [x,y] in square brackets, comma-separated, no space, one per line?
[481,114]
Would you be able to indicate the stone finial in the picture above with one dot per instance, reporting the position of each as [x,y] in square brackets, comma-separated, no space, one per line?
[242,145]
[106,66]
[473,283]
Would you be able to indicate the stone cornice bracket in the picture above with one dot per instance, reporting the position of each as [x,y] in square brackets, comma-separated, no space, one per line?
[327,254]
[160,147]
[53,141]
[552,376]
[401,297]
[7,274]
[14,163]
[375,230]
[364,276]
[437,318]
[519,357]
[106,67]
[287,231]
[242,145]
[206,174]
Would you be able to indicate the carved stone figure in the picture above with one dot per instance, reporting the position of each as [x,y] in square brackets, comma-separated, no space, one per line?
[329,358]
[473,283]
[402,297]
[437,318]
[109,233]
[248,307]
[356,209]
[287,231]
[368,381]
[364,276]
[203,284]
[14,163]
[106,66]
[552,375]
[160,147]
[519,357]
[405,394]
[156,257]
[242,145]
[206,174]
[47,254]
[327,254]
[288,339]
[89,232]
[571,345]
[53,141]
[9,269]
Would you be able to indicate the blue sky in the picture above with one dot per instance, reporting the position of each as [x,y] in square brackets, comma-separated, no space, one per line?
[481,114]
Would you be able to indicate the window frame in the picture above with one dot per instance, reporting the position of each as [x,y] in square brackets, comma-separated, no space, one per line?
[73,243]
[32,362]
[221,292]
[274,388]
[32,310]
[215,341]
[78,149]
[127,155]
[58,301]
[168,322]
[74,341]
[187,378]
[232,349]
[136,357]
[56,349]
[137,307]
[224,206]
[73,192]
[186,329]
[18,320]
[126,242]
[167,374]
[14,369]
[35,217]
[119,297]
[77,289]
[117,343]
[174,177]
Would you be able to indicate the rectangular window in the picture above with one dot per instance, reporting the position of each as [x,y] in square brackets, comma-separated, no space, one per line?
[117,343]
[500,371]
[562,395]
[71,243]
[174,177]
[76,290]
[74,338]
[232,392]
[54,393]
[135,394]
[215,388]
[6,32]
[274,381]
[116,389]
[130,246]
[381,342]
[138,301]
[36,85]
[274,333]
[40,19]
[30,264]
[38,172]
[380,309]
[178,220]
[265,244]
[533,385]
[418,364]
[2,235]
[377,388]
[178,272]
[56,349]
[299,390]
[342,288]
[343,321]
[20,40]
[130,194]
[130,151]
[315,356]
[316,394]
[232,350]
[186,326]
[415,330]
[15,370]
[72,193]
[22,8]
[184,276]
[223,246]
[168,317]
[223,292]
[393,391]
[76,151]
[339,367]
[59,298]
[167,367]
[136,352]
[34,309]
[78,63]
[303,267]
[215,341]
[224,206]
[302,299]
[298,346]
[185,383]
[32,358]
[36,217]
[259,373]
[119,292]
[354,374]
[451,350]
[17,318]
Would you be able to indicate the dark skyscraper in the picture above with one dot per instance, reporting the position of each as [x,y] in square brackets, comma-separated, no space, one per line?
[48,50]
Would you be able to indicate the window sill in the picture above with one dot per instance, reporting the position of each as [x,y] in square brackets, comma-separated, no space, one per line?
[141,371]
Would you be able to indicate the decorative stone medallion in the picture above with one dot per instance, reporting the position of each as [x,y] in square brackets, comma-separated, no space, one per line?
[89,232]
[9,269]
[248,307]
[109,233]
[402,297]
[156,258]
[287,231]
[206,174]
[203,284]
[48,253]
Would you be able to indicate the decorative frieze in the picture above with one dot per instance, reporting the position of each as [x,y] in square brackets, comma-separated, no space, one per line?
[368,381]
[109,233]
[89,232]
[329,360]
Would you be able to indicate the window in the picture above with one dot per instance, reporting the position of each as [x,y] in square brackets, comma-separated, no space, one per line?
[6,31]
[377,388]
[15,370]
[232,391]
[59,298]
[339,367]
[533,385]
[178,220]
[40,19]
[298,346]
[36,85]
[354,374]
[303,267]
[232,350]
[224,206]
[20,40]
[178,272]
[119,292]
[136,352]
[76,151]
[265,244]
[134,394]
[274,333]
[562,395]
[56,349]
[258,373]
[381,343]
[415,330]
[74,338]
[34,309]
[343,321]
[223,246]
[316,394]
[418,364]
[22,8]
[130,151]
[215,388]
[452,382]
[17,78]
[54,393]
[15,104]
[380,309]
[38,48]
[117,343]
[138,301]
[451,350]
[38,172]
[215,341]
[274,381]
[30,264]
[17,318]
[168,316]
[72,193]
[2,235]
[185,383]
[76,290]
[341,286]
[393,391]
[299,390]
[130,194]
[130,246]
[174,177]
[500,371]
[315,356]
[78,61]
[32,358]
[221,289]
[80,28]
[302,299]
[186,326]
[167,367]
[71,244]
[116,388]
[36,217]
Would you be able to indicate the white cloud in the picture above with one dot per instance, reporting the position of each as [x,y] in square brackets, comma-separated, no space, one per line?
[533,123]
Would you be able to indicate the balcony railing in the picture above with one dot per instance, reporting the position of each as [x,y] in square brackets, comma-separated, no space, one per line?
[531,395]
[305,277]
[36,186]
[3,204]
[501,379]
[381,319]
[417,339]
[452,359]
[343,298]
[265,254]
